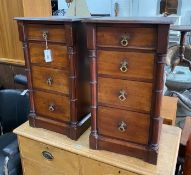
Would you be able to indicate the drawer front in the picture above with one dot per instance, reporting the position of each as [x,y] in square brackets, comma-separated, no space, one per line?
[126,64]
[125,94]
[59,55]
[55,33]
[37,156]
[52,105]
[126,37]
[50,79]
[31,167]
[93,167]
[125,125]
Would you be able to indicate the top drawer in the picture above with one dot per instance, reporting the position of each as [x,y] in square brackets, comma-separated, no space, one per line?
[55,33]
[126,37]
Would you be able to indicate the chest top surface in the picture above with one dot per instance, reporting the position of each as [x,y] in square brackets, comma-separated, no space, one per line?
[132,20]
[51,18]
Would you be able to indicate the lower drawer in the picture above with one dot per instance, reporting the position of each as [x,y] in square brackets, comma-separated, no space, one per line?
[36,168]
[50,79]
[35,162]
[125,94]
[125,125]
[52,105]
[93,167]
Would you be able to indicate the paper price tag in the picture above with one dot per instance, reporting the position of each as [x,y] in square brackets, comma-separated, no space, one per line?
[47,55]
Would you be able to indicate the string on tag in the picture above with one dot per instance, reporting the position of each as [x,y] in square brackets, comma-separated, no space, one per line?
[45,36]
[47,52]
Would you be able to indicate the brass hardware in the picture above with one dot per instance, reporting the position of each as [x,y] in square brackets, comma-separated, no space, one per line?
[124,65]
[122,95]
[122,126]
[49,81]
[45,35]
[47,155]
[51,107]
[124,40]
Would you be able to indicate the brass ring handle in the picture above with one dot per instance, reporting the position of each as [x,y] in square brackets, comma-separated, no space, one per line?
[124,40]
[45,35]
[51,107]
[123,67]
[122,95]
[48,156]
[49,81]
[122,126]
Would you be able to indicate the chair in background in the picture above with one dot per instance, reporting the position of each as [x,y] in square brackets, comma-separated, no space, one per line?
[14,109]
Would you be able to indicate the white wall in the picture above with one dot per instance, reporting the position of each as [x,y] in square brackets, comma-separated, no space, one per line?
[95,6]
[148,7]
[134,8]
[99,6]
[186,12]
[62,4]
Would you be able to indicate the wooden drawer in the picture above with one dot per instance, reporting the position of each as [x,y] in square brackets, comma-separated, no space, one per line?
[125,125]
[59,55]
[63,162]
[93,167]
[126,64]
[135,37]
[55,33]
[52,106]
[37,168]
[50,79]
[125,94]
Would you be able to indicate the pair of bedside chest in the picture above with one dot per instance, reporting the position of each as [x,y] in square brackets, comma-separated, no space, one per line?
[123,59]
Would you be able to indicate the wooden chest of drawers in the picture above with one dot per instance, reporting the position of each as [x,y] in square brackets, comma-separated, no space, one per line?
[127,63]
[48,153]
[59,88]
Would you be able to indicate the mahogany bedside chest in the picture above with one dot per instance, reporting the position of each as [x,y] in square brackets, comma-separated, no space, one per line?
[127,63]
[58,79]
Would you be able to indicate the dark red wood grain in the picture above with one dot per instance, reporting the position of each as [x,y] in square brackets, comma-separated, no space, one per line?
[104,34]
[71,116]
